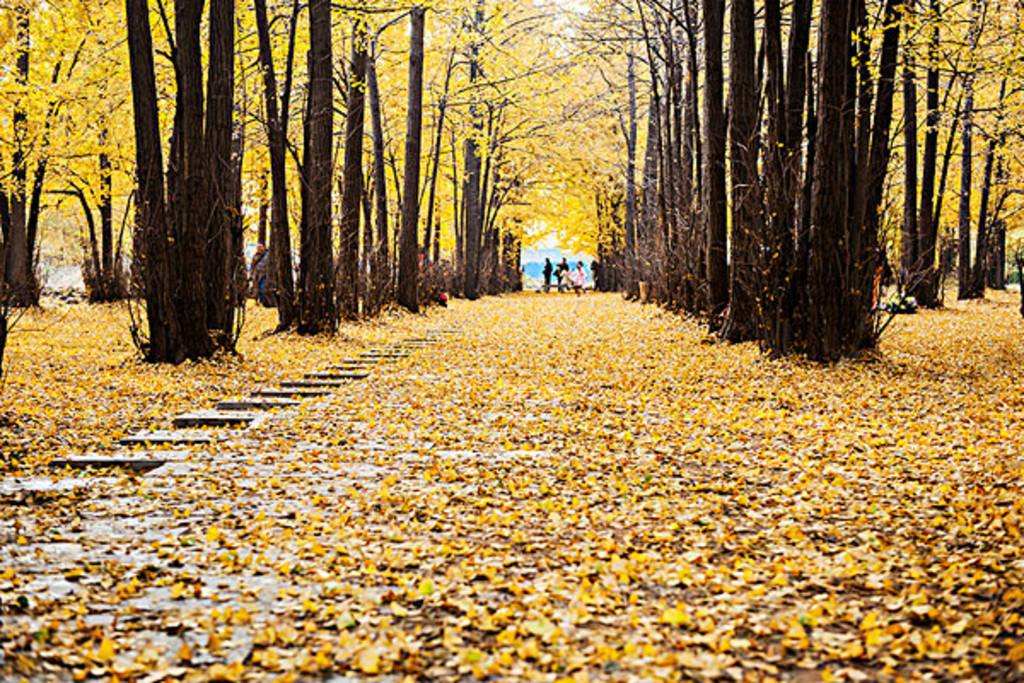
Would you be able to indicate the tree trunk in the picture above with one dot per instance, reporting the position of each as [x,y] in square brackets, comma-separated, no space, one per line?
[317,310]
[19,278]
[108,275]
[925,277]
[714,198]
[151,245]
[190,200]
[408,266]
[965,275]
[829,206]
[1020,278]
[381,265]
[434,232]
[747,228]
[219,256]
[352,179]
[982,247]
[997,256]
[281,277]
[910,249]
[264,210]
[867,255]
[631,193]
[472,194]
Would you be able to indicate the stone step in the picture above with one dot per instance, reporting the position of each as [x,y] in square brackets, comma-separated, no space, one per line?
[354,367]
[257,403]
[139,462]
[215,418]
[315,383]
[292,392]
[386,355]
[366,362]
[337,374]
[165,436]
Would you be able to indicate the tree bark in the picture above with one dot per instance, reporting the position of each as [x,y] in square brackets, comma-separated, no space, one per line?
[219,253]
[151,245]
[867,255]
[910,249]
[982,245]
[381,265]
[281,275]
[965,275]
[352,179]
[472,193]
[190,199]
[714,163]
[829,199]
[317,309]
[408,267]
[19,280]
[924,276]
[434,232]
[747,228]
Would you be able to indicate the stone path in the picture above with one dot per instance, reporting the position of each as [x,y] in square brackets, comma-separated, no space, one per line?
[116,525]
[252,411]
[581,489]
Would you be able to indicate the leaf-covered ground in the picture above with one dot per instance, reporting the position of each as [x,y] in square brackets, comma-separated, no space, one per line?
[569,488]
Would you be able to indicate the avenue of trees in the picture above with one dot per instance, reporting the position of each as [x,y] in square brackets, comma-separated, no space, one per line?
[783,162]
[783,170]
[382,153]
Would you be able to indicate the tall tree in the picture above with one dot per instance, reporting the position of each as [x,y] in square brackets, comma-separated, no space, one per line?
[829,199]
[281,275]
[152,246]
[180,272]
[909,245]
[381,266]
[747,227]
[433,234]
[981,255]
[408,268]
[18,273]
[631,194]
[965,275]
[714,199]
[926,283]
[221,257]
[316,306]
[472,192]
[352,178]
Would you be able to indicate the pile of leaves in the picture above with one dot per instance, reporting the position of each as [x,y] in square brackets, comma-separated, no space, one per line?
[569,489]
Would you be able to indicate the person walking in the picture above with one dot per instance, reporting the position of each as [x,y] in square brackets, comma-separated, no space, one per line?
[578,278]
[563,275]
[258,275]
[548,272]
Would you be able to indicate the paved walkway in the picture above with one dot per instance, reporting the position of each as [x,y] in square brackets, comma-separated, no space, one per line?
[564,488]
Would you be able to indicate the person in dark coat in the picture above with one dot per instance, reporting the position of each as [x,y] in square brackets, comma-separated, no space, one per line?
[548,271]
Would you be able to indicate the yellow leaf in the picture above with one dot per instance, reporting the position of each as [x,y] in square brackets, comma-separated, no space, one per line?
[675,616]
[226,673]
[106,652]
[213,534]
[542,628]
[368,660]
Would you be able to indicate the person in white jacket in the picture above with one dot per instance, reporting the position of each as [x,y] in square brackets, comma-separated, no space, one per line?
[578,277]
